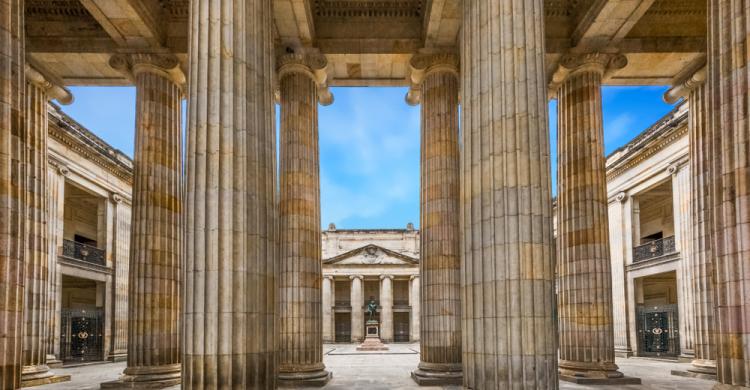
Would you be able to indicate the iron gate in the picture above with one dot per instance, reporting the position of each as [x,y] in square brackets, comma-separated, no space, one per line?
[658,333]
[82,337]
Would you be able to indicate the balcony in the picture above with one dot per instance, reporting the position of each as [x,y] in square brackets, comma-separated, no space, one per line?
[82,252]
[654,249]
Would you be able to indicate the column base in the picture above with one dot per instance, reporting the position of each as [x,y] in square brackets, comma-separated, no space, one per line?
[436,374]
[40,375]
[156,377]
[315,376]
[54,362]
[702,369]
[594,374]
[118,356]
[624,352]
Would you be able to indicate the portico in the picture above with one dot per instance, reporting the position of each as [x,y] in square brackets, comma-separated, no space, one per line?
[228,280]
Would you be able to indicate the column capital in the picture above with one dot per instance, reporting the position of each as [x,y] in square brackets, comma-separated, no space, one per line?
[573,63]
[352,277]
[413,277]
[117,198]
[685,85]
[53,87]
[312,64]
[329,277]
[422,65]
[382,277]
[163,65]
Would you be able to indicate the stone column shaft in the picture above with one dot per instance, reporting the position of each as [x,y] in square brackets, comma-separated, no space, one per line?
[728,127]
[584,266]
[358,315]
[702,259]
[301,314]
[386,308]
[681,211]
[231,263]
[12,194]
[440,317]
[37,335]
[328,299]
[507,286]
[56,216]
[155,271]
[414,303]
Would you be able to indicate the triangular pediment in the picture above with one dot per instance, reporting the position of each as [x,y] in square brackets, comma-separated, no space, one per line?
[372,254]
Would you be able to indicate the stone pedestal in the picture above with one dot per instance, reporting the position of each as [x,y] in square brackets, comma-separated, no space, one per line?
[39,90]
[372,339]
[436,75]
[301,313]
[156,240]
[231,243]
[587,353]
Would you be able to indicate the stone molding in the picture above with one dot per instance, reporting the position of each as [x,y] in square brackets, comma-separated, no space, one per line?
[572,63]
[683,87]
[313,65]
[52,87]
[422,65]
[163,65]
[648,152]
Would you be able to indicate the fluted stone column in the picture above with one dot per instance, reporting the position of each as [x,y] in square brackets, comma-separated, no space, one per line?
[301,314]
[414,303]
[440,341]
[386,308]
[587,351]
[681,210]
[328,299]
[701,259]
[155,271]
[358,314]
[56,215]
[728,127]
[507,268]
[39,90]
[12,192]
[231,261]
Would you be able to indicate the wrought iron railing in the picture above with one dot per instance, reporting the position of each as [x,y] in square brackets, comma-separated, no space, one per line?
[654,249]
[83,252]
[342,303]
[400,302]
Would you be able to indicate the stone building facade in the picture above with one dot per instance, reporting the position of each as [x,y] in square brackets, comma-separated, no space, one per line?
[360,265]
[89,245]
[648,191]
[250,219]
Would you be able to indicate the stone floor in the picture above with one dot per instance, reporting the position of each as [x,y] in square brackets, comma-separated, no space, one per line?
[390,370]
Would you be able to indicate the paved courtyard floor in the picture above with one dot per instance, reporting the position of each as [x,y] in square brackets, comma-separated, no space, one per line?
[390,370]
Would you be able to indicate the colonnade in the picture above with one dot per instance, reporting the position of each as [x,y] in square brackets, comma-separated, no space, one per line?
[246,257]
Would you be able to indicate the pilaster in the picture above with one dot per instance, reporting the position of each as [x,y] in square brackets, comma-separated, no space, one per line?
[155,272]
[414,303]
[39,90]
[231,243]
[301,339]
[328,299]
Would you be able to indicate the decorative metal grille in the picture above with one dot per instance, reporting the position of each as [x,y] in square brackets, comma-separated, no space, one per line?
[658,331]
[654,249]
[83,252]
[82,334]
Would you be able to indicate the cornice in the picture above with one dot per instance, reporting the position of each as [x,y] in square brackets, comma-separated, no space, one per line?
[657,141]
[81,141]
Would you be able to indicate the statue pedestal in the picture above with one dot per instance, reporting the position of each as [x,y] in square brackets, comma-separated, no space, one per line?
[372,338]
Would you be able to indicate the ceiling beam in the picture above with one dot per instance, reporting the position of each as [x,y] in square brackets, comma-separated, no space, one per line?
[607,23]
[133,24]
[294,22]
[442,20]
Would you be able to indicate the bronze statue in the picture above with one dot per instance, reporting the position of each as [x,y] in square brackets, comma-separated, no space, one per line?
[372,308]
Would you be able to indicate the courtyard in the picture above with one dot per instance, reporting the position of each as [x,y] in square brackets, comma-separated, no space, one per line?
[391,370]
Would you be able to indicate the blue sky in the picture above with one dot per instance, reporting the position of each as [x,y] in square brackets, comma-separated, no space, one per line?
[369,144]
